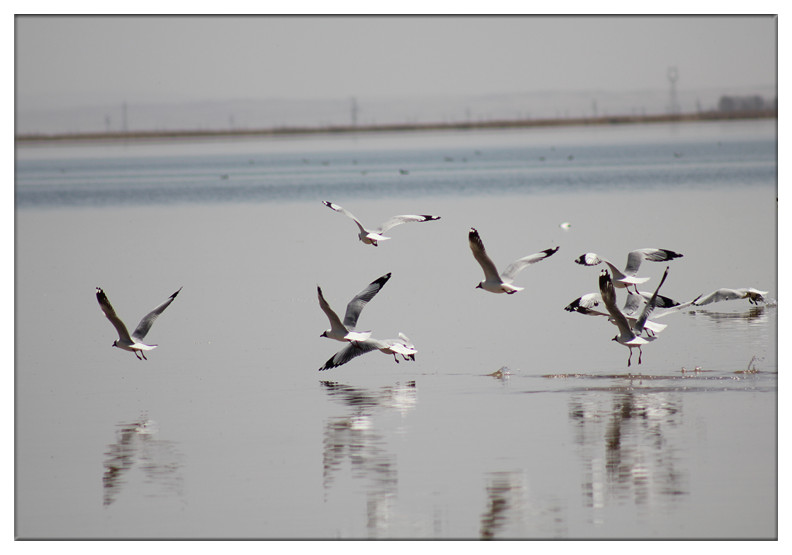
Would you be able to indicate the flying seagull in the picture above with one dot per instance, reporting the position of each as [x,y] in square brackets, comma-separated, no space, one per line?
[501,283]
[589,305]
[402,346]
[625,278]
[371,237]
[629,335]
[133,343]
[754,296]
[345,331]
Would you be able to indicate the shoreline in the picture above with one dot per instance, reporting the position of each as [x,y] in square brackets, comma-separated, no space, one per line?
[30,139]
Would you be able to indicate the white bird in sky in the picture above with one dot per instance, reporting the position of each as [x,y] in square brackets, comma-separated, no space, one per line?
[133,343]
[627,277]
[345,331]
[397,347]
[754,296]
[629,334]
[501,283]
[372,237]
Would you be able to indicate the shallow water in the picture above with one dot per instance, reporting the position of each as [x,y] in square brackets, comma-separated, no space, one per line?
[229,431]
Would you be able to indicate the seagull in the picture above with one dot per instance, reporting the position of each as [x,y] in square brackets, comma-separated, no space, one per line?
[587,304]
[754,296]
[627,277]
[629,335]
[346,331]
[133,344]
[402,346]
[493,282]
[371,237]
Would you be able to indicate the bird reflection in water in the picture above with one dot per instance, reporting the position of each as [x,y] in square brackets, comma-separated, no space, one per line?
[628,448]
[136,445]
[504,495]
[354,437]
[753,316]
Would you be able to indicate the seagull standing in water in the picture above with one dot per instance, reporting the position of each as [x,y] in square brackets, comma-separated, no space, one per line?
[133,343]
[629,335]
[372,237]
[501,283]
[397,347]
[627,277]
[345,331]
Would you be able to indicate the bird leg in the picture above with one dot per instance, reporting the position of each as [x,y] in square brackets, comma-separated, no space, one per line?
[640,352]
[629,358]
[137,355]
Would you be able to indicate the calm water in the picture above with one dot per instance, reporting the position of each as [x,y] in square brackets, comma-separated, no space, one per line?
[229,431]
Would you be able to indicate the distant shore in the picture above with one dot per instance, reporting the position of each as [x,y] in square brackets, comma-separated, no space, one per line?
[27,139]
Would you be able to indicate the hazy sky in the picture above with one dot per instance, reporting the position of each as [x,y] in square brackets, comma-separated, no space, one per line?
[75,59]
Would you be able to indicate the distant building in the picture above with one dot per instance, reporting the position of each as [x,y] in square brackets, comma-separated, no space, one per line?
[742,103]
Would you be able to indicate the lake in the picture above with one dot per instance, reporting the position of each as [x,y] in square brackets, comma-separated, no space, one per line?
[229,430]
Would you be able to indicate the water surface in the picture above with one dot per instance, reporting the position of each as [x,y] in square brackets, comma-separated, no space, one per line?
[229,430]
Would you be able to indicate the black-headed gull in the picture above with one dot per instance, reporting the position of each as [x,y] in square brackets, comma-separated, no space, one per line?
[493,281]
[372,237]
[345,331]
[133,343]
[397,347]
[629,334]
[627,277]
[588,304]
[754,296]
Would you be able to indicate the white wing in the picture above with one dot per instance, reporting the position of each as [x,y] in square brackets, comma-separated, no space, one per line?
[398,220]
[480,254]
[145,324]
[518,265]
[360,300]
[352,350]
[634,258]
[107,308]
[335,322]
[346,213]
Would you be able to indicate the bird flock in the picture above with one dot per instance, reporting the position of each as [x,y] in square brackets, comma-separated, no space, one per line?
[632,320]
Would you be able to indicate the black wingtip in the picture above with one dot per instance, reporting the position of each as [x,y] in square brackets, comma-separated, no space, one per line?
[428,218]
[550,252]
[581,260]
[177,292]
[573,306]
[672,255]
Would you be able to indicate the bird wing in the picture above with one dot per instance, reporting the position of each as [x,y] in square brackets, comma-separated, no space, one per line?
[346,213]
[360,300]
[335,321]
[480,254]
[609,298]
[585,305]
[650,306]
[107,308]
[634,258]
[518,265]
[677,308]
[398,220]
[352,350]
[722,294]
[145,324]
